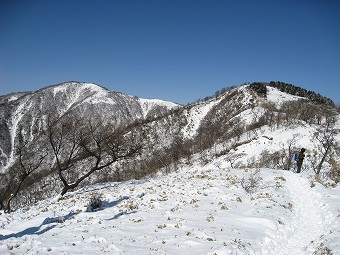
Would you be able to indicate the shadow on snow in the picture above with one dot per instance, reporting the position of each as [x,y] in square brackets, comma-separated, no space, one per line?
[39,230]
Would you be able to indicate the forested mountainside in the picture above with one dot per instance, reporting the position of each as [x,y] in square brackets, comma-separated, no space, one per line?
[24,115]
[70,135]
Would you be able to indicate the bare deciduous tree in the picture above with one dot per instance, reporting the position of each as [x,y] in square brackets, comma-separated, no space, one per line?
[325,137]
[65,136]
[28,160]
[76,142]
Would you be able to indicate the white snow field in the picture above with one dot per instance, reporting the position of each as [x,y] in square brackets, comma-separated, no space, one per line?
[196,210]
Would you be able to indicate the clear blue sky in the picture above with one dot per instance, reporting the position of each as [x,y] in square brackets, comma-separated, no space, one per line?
[176,50]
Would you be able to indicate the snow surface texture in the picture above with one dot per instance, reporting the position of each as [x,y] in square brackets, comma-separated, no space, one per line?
[196,210]
[276,96]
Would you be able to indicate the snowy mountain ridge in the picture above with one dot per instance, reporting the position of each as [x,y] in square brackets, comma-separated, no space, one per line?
[215,177]
[236,118]
[22,112]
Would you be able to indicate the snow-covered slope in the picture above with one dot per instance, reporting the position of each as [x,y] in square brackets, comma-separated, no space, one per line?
[276,96]
[195,115]
[23,115]
[196,210]
[151,106]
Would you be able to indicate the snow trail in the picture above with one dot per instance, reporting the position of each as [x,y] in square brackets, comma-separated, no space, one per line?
[309,222]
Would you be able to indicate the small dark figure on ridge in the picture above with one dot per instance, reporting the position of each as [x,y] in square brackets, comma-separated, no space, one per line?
[299,159]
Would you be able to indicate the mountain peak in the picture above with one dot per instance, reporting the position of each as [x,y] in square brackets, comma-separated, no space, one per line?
[74,86]
[261,89]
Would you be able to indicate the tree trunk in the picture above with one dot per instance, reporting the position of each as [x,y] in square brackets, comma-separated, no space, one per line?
[322,160]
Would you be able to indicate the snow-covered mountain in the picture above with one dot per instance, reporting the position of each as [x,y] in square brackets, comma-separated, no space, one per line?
[24,114]
[231,123]
[213,177]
